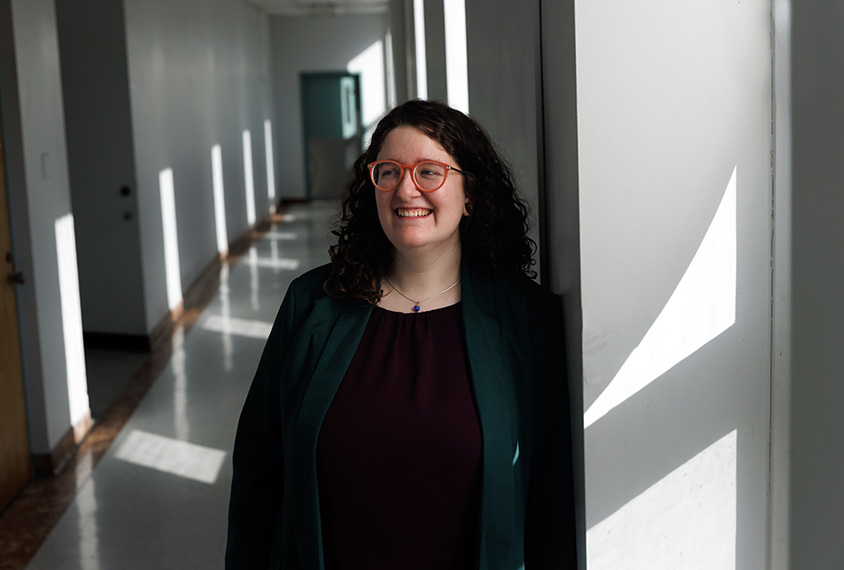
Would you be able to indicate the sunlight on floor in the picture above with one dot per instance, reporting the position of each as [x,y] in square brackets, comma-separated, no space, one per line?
[173,456]
[180,394]
[88,525]
[281,235]
[291,264]
[225,314]
[243,327]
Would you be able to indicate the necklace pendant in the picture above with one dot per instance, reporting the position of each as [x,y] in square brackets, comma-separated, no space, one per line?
[416,308]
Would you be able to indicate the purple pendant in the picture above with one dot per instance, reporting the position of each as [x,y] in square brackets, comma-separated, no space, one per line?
[416,308]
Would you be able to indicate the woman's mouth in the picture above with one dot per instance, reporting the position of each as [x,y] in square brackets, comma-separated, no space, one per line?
[413,212]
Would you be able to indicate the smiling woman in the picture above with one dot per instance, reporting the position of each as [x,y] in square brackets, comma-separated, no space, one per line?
[410,409]
[421,213]
[478,197]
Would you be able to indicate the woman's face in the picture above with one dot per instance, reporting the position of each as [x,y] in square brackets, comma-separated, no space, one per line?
[419,222]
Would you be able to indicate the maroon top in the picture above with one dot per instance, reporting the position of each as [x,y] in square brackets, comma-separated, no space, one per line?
[398,456]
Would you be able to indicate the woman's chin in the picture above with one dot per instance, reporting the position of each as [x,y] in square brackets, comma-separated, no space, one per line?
[417,244]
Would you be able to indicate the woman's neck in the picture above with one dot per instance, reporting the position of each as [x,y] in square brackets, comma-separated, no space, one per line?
[423,277]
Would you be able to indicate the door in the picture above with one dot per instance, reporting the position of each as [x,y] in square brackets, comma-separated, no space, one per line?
[14,441]
[332,130]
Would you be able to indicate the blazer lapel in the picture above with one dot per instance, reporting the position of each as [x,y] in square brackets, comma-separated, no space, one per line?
[340,347]
[496,400]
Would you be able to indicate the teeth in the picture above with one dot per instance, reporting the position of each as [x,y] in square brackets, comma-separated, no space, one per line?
[413,213]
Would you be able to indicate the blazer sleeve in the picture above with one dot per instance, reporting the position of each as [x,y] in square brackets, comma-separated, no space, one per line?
[550,536]
[257,478]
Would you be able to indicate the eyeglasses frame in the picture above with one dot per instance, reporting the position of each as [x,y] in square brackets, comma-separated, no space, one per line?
[412,169]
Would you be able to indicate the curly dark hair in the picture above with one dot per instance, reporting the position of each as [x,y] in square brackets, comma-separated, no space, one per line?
[495,231]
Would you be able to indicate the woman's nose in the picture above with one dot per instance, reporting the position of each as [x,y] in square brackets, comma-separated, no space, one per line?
[407,190]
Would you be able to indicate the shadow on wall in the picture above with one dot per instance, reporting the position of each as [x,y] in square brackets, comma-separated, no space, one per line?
[645,514]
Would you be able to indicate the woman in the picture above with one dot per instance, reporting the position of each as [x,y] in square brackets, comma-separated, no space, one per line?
[410,409]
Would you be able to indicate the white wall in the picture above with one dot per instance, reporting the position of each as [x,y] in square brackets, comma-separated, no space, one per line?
[51,326]
[305,44]
[200,76]
[817,282]
[674,173]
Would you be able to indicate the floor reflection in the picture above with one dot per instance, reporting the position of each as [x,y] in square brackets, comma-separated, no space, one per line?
[158,498]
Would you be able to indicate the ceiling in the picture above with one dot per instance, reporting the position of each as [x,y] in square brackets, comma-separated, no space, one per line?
[319,7]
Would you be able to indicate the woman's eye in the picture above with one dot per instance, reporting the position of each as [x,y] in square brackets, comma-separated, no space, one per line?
[429,172]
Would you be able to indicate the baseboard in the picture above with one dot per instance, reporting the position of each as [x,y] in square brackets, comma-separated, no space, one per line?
[116,341]
[50,464]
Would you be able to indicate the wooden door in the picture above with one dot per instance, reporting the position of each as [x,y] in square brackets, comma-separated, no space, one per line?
[14,441]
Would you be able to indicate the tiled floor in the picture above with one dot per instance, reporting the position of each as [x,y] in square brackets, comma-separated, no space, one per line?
[158,497]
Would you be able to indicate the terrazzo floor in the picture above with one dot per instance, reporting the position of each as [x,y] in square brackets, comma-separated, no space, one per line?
[149,487]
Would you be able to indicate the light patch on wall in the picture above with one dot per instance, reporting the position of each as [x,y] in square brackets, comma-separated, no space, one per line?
[232,325]
[685,520]
[702,307]
[74,350]
[249,177]
[173,456]
[219,199]
[456,59]
[268,153]
[421,57]
[391,71]
[370,64]
[348,107]
[172,265]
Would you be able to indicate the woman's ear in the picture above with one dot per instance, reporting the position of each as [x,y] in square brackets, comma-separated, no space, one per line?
[467,208]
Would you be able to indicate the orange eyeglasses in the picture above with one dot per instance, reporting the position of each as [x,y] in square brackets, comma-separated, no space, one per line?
[427,175]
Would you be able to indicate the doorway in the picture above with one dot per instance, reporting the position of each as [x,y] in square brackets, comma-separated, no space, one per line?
[331,123]
[14,438]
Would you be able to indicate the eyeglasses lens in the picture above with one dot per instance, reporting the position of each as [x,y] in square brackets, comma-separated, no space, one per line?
[429,176]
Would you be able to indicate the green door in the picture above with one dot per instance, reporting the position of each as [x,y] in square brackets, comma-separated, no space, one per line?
[332,130]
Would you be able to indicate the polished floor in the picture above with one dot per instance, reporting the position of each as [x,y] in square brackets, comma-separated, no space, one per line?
[159,495]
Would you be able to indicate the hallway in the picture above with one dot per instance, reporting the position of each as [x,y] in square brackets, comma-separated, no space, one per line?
[159,497]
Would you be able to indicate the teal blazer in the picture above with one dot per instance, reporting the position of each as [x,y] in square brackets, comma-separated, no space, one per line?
[514,338]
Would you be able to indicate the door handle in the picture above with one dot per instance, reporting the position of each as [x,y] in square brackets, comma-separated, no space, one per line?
[18,277]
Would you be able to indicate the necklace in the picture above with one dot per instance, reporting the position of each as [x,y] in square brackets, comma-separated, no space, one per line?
[416,304]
